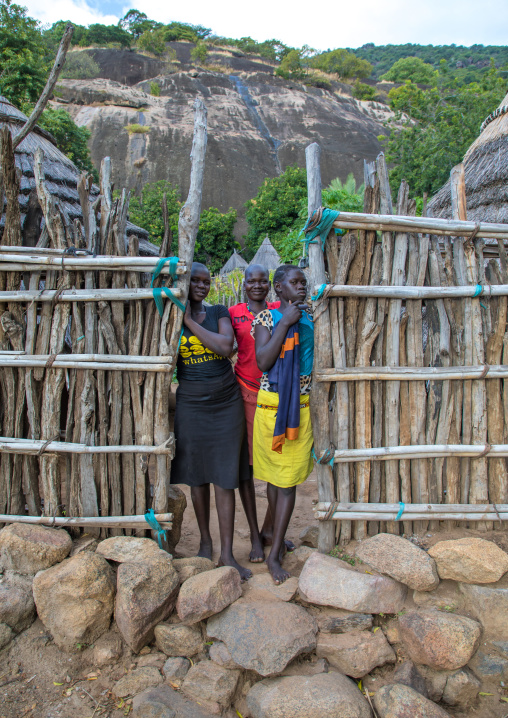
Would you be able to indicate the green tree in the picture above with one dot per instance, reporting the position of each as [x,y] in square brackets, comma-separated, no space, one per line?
[291,66]
[345,64]
[71,139]
[145,211]
[80,66]
[98,34]
[199,53]
[362,91]
[23,64]
[180,31]
[411,68]
[215,241]
[136,23]
[53,35]
[153,41]
[274,210]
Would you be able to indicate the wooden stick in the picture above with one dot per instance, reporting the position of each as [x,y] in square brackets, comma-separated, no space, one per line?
[413,373]
[14,263]
[424,225]
[411,508]
[82,295]
[50,85]
[29,446]
[422,516]
[137,521]
[388,453]
[407,292]
[115,362]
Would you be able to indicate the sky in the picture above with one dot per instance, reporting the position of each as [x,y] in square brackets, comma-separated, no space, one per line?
[324,25]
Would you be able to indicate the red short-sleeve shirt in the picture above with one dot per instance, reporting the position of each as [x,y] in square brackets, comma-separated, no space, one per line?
[246,368]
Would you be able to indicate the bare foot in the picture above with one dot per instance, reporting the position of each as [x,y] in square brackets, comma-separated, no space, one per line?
[257,555]
[205,549]
[245,573]
[267,541]
[276,570]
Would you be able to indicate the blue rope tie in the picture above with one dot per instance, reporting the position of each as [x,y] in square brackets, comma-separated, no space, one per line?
[322,229]
[319,294]
[327,457]
[401,511]
[157,291]
[155,525]
[478,291]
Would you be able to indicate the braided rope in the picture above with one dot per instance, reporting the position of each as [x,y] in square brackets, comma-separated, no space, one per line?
[494,115]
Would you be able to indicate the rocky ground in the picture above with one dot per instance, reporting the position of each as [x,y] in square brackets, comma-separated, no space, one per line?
[400,627]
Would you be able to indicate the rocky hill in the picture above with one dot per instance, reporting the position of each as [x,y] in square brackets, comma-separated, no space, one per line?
[258,123]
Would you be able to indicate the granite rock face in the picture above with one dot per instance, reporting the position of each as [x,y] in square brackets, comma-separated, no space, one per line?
[28,548]
[470,560]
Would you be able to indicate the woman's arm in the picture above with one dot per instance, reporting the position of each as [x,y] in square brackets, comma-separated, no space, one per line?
[221,343]
[268,347]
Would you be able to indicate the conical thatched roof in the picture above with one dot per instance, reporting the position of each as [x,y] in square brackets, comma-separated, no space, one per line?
[236,261]
[486,173]
[267,256]
[62,177]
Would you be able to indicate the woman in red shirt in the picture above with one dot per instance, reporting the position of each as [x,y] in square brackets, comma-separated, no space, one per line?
[257,286]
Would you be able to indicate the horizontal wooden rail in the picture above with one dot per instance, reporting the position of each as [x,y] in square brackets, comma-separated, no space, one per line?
[424,225]
[407,292]
[422,451]
[411,512]
[407,373]
[35,262]
[82,295]
[32,446]
[411,508]
[105,362]
[138,521]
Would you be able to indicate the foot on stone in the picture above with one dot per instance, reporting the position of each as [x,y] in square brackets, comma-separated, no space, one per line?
[205,549]
[245,573]
[267,541]
[276,570]
[257,555]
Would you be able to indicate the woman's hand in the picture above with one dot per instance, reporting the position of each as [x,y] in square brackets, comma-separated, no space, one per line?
[292,313]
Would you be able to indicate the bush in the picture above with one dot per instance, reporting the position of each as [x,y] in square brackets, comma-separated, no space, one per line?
[318,81]
[180,31]
[410,68]
[152,41]
[215,241]
[80,66]
[136,129]
[199,53]
[155,90]
[345,64]
[362,91]
[98,34]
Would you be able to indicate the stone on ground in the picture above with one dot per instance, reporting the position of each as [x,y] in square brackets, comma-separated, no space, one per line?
[17,607]
[488,666]
[470,560]
[400,559]
[86,542]
[409,675]
[356,653]
[220,654]
[211,685]
[74,600]
[155,658]
[398,701]
[461,689]
[446,597]
[439,640]
[146,595]
[188,567]
[153,708]
[336,620]
[175,668]
[490,606]
[127,548]
[262,584]
[264,636]
[6,635]
[177,503]
[136,681]
[309,536]
[208,593]
[108,649]
[326,695]
[173,700]
[327,582]
[296,560]
[179,640]
[26,548]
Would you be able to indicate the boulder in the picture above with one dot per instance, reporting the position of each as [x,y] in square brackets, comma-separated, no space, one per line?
[136,681]
[327,582]
[220,654]
[108,649]
[17,607]
[6,635]
[296,560]
[262,584]
[490,606]
[409,675]
[210,684]
[435,682]
[470,560]
[309,536]
[152,708]
[146,595]
[175,668]
[177,503]
[398,701]
[439,640]
[335,620]
[155,658]
[356,653]
[208,593]
[178,640]
[461,689]
[28,548]
[264,636]
[128,548]
[326,695]
[489,666]
[400,559]
[74,599]
[187,567]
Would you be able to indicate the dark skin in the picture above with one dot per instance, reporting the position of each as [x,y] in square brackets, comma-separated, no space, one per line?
[292,291]
[222,344]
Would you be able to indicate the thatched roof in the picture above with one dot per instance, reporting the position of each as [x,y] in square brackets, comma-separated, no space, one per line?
[486,173]
[62,177]
[267,256]
[236,261]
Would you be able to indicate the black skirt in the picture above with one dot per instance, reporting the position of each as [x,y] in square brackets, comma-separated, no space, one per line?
[210,434]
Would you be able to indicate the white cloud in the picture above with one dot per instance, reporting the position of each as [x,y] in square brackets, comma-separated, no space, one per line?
[78,11]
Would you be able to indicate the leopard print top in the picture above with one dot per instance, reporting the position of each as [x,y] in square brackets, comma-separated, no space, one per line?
[265,319]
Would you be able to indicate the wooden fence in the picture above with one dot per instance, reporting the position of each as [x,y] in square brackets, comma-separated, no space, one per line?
[411,350]
[86,361]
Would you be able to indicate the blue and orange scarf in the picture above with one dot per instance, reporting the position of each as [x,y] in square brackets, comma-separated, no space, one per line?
[284,378]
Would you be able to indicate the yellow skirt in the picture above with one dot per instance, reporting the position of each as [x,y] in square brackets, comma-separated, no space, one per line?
[294,464]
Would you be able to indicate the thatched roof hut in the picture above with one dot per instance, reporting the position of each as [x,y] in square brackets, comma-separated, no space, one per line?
[62,177]
[267,256]
[486,174]
[236,261]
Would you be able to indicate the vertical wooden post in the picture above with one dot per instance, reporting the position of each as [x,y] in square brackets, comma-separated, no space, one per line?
[322,355]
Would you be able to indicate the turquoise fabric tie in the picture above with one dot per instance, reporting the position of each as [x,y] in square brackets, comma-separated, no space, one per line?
[155,525]
[157,291]
[321,230]
[401,511]
[319,294]
[478,290]
[324,458]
